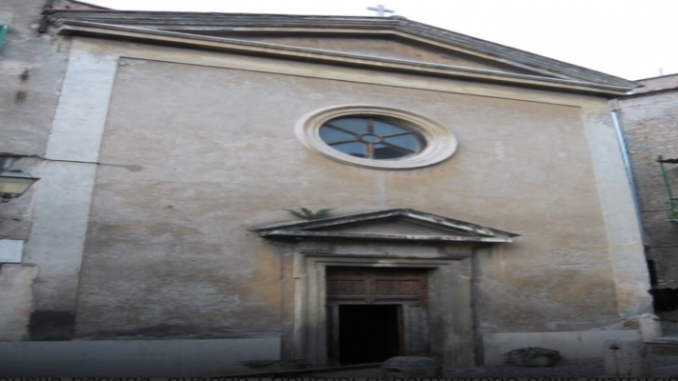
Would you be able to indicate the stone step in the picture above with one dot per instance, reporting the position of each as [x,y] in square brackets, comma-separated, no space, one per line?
[665,346]
[665,340]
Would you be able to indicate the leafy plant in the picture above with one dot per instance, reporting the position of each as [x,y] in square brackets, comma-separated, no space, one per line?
[308,214]
[523,356]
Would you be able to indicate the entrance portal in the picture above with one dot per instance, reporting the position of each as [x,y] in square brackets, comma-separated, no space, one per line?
[369,333]
[376,313]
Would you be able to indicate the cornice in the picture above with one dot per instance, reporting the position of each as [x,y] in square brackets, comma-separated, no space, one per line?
[312,229]
[171,28]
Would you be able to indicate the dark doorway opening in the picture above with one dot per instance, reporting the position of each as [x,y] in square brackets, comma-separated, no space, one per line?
[665,299]
[369,333]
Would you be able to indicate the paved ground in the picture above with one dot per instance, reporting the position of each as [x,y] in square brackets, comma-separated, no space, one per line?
[662,366]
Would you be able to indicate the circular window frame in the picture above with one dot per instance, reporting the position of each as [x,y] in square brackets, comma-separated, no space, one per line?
[440,143]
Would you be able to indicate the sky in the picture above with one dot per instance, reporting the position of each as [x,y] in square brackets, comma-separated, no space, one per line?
[632,39]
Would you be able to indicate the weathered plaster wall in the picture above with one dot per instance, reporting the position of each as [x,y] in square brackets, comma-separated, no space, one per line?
[650,124]
[195,155]
[15,298]
[622,230]
[32,66]
[63,200]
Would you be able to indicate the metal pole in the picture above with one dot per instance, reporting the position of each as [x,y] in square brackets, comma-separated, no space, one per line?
[630,175]
[668,187]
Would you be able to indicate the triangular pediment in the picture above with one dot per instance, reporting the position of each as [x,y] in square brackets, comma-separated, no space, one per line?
[379,43]
[386,225]
[386,47]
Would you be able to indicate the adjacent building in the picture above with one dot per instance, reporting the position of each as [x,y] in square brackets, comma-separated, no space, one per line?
[649,119]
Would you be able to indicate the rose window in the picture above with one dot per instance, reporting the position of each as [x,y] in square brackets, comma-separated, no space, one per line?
[371,138]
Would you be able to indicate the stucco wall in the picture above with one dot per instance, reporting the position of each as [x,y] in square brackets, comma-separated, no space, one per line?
[32,70]
[192,156]
[32,67]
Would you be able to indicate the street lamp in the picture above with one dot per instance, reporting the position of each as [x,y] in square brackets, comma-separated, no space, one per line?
[14,183]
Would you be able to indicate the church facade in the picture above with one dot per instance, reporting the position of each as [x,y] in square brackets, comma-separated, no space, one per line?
[478,198]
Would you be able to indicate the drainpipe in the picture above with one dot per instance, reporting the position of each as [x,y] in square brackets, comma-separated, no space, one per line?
[629,169]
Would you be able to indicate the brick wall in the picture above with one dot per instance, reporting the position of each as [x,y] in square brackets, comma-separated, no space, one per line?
[649,120]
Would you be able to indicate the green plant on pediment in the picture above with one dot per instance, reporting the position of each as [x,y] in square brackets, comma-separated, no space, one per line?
[308,214]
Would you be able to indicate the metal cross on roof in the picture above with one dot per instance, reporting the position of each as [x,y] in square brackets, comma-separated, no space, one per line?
[380,10]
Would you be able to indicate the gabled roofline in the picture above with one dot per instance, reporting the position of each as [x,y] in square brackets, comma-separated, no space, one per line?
[582,79]
[656,77]
[423,217]
[299,53]
[647,94]
[98,7]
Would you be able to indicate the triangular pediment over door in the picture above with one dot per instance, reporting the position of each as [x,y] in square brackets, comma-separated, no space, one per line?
[403,225]
[420,264]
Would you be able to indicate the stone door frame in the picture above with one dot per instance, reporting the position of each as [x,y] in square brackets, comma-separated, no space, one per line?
[451,315]
[411,312]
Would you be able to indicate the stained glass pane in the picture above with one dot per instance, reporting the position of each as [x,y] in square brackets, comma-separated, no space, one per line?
[381,128]
[353,149]
[331,135]
[357,125]
[405,141]
[383,152]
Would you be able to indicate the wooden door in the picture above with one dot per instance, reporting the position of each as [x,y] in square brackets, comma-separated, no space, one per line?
[404,288]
